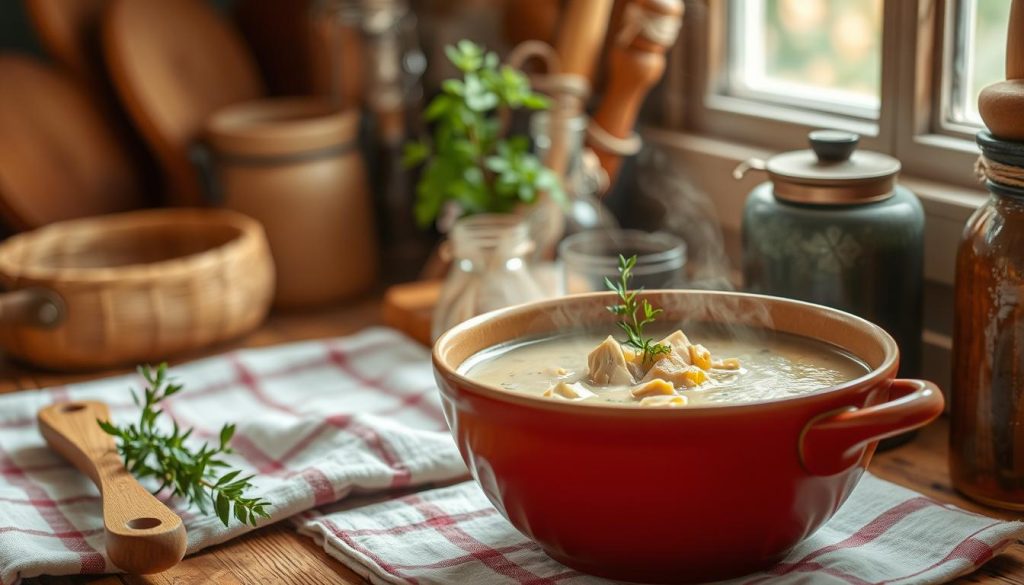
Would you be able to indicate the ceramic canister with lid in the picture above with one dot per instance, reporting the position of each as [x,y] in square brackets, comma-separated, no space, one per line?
[833,227]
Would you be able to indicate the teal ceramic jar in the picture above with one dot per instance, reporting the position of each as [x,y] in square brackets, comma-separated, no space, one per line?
[831,226]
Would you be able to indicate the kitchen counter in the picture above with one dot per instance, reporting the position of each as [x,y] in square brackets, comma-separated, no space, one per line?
[276,554]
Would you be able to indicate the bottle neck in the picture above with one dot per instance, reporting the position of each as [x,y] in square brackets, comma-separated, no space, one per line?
[490,238]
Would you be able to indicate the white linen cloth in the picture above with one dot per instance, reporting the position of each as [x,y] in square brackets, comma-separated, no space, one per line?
[316,421]
[883,534]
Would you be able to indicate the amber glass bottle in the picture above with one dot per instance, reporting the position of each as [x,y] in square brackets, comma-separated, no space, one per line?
[987,406]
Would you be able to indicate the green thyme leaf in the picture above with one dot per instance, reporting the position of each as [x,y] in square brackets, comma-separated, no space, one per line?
[150,452]
[635,315]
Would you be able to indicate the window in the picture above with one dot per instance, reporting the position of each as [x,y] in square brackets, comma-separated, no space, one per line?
[904,74]
[979,56]
[822,54]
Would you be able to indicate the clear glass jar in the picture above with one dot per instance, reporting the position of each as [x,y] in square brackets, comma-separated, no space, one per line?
[583,210]
[590,257]
[489,269]
[986,445]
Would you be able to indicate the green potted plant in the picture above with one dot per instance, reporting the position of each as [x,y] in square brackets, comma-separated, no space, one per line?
[478,183]
[472,166]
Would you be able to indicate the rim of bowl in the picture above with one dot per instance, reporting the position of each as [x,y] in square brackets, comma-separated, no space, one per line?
[888,365]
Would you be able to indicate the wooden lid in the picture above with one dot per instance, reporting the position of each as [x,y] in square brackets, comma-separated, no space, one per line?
[174,63]
[62,159]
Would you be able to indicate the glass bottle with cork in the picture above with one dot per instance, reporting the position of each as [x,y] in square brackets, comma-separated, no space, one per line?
[987,397]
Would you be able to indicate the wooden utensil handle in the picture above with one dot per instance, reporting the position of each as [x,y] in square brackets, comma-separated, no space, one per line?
[142,535]
[636,62]
[581,35]
[38,307]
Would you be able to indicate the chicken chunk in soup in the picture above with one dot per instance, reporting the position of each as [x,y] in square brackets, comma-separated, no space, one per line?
[725,367]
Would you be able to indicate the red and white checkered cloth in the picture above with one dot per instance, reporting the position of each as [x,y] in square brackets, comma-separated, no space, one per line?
[316,421]
[882,534]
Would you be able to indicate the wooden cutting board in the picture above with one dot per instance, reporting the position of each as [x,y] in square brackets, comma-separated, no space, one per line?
[409,306]
[62,159]
[173,64]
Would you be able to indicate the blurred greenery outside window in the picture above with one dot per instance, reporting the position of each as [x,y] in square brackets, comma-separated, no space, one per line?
[827,54]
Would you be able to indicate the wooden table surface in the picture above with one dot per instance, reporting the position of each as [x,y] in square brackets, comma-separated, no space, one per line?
[276,554]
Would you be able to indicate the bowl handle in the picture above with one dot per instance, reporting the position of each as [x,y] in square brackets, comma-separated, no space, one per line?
[35,307]
[835,441]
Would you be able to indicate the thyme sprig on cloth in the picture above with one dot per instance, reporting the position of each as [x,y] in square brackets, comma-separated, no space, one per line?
[635,313]
[199,476]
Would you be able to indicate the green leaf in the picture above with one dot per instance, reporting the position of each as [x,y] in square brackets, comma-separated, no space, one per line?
[223,508]
[226,432]
[414,153]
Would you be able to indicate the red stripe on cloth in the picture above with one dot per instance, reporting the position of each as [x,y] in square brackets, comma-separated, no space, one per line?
[490,557]
[69,534]
[344,363]
[72,534]
[869,532]
[251,383]
[469,558]
[423,524]
[38,468]
[372,439]
[48,502]
[377,559]
[323,491]
[18,423]
[970,549]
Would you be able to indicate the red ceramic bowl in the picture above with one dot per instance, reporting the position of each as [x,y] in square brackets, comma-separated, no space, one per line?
[675,495]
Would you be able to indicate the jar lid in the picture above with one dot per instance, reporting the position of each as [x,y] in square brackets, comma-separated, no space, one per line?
[833,171]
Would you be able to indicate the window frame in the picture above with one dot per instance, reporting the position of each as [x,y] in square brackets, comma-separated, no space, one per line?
[911,124]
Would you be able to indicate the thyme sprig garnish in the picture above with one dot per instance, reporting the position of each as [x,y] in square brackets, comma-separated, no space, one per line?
[635,314]
[199,476]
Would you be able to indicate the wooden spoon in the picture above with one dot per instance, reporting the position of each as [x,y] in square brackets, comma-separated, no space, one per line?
[143,535]
[1000,104]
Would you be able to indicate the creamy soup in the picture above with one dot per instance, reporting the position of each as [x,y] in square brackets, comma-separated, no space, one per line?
[743,366]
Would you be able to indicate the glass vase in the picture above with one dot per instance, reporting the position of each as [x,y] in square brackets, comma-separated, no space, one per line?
[489,269]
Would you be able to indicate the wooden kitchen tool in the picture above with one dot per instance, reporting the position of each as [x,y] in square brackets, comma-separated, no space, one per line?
[1000,104]
[142,535]
[133,287]
[61,159]
[581,35]
[173,64]
[636,62]
[70,33]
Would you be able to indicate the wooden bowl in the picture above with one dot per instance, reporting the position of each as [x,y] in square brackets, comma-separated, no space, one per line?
[699,493]
[132,288]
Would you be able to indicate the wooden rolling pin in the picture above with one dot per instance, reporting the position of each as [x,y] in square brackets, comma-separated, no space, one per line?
[581,35]
[1001,104]
[142,535]
[636,62]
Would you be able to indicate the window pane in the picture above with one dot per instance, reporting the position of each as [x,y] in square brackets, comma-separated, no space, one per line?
[826,53]
[980,54]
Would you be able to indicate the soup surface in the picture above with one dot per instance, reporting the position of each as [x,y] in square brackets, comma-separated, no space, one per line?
[770,366]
